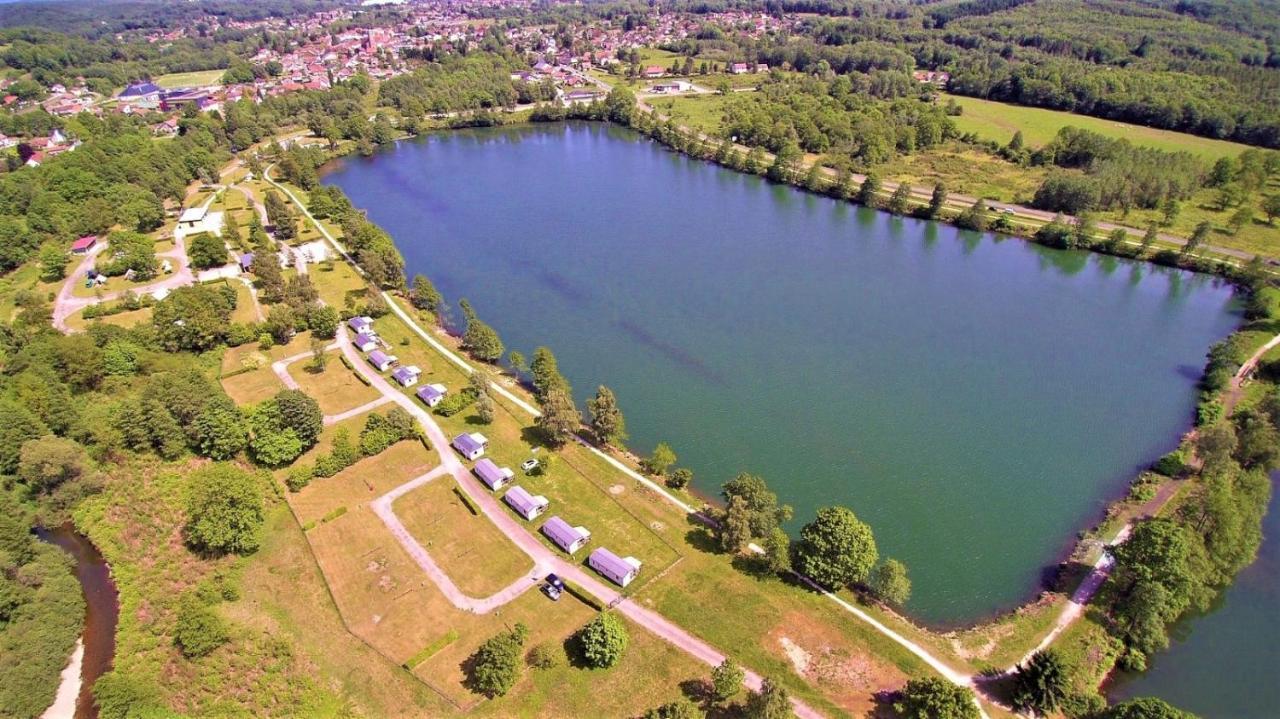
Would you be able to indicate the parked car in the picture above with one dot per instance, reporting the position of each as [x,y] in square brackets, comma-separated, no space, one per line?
[553,587]
[529,465]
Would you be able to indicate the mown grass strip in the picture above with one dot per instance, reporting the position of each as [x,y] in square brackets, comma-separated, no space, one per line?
[431,649]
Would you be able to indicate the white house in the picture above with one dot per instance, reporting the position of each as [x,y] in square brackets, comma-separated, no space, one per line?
[492,475]
[380,360]
[406,376]
[365,342]
[620,571]
[566,537]
[471,446]
[431,394]
[526,505]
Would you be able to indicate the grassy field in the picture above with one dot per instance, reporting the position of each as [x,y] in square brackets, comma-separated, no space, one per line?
[475,554]
[703,112]
[998,121]
[335,388]
[190,79]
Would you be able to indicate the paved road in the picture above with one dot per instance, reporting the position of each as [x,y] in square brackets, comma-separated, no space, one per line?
[67,303]
[955,202]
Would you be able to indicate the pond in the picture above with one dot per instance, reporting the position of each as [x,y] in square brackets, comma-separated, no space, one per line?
[977,400]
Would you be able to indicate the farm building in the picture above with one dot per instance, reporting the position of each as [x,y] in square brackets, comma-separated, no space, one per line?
[84,244]
[526,505]
[568,538]
[471,445]
[492,475]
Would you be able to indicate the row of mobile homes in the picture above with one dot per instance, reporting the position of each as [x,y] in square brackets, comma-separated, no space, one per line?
[431,394]
[471,446]
[493,476]
[527,505]
[618,570]
[566,537]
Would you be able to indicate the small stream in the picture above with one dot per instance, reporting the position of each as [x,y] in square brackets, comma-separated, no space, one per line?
[102,609]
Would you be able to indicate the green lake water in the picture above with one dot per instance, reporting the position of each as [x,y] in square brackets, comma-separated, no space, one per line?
[1223,664]
[977,400]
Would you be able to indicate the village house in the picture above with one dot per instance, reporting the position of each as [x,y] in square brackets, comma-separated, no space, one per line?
[739,68]
[365,342]
[568,538]
[84,244]
[620,571]
[380,360]
[653,71]
[493,476]
[471,446]
[246,262]
[431,394]
[406,376]
[526,505]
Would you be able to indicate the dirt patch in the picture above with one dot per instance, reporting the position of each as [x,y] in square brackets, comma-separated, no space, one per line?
[617,489]
[846,674]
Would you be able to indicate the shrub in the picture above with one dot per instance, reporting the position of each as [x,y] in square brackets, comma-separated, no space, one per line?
[199,630]
[544,656]
[299,477]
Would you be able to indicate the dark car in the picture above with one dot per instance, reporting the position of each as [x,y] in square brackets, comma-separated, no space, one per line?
[553,587]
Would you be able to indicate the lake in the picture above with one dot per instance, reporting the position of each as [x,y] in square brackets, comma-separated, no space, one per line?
[977,400]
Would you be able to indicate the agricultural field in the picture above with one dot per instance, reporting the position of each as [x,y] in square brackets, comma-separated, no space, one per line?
[998,121]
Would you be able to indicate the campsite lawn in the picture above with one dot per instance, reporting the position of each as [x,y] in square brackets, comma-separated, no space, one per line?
[335,388]
[285,596]
[361,483]
[475,554]
[703,112]
[998,121]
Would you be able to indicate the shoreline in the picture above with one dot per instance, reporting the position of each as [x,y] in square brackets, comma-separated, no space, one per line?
[65,701]
[1085,537]
[1070,545]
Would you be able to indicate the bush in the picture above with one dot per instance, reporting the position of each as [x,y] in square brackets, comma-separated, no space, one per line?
[199,630]
[300,477]
[544,656]
[1172,464]
[455,403]
[603,640]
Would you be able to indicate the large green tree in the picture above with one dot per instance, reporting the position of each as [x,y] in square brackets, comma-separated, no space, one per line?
[224,510]
[836,549]
[936,698]
[607,421]
[603,640]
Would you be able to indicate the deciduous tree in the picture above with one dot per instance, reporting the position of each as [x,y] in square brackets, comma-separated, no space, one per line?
[836,549]
[224,510]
